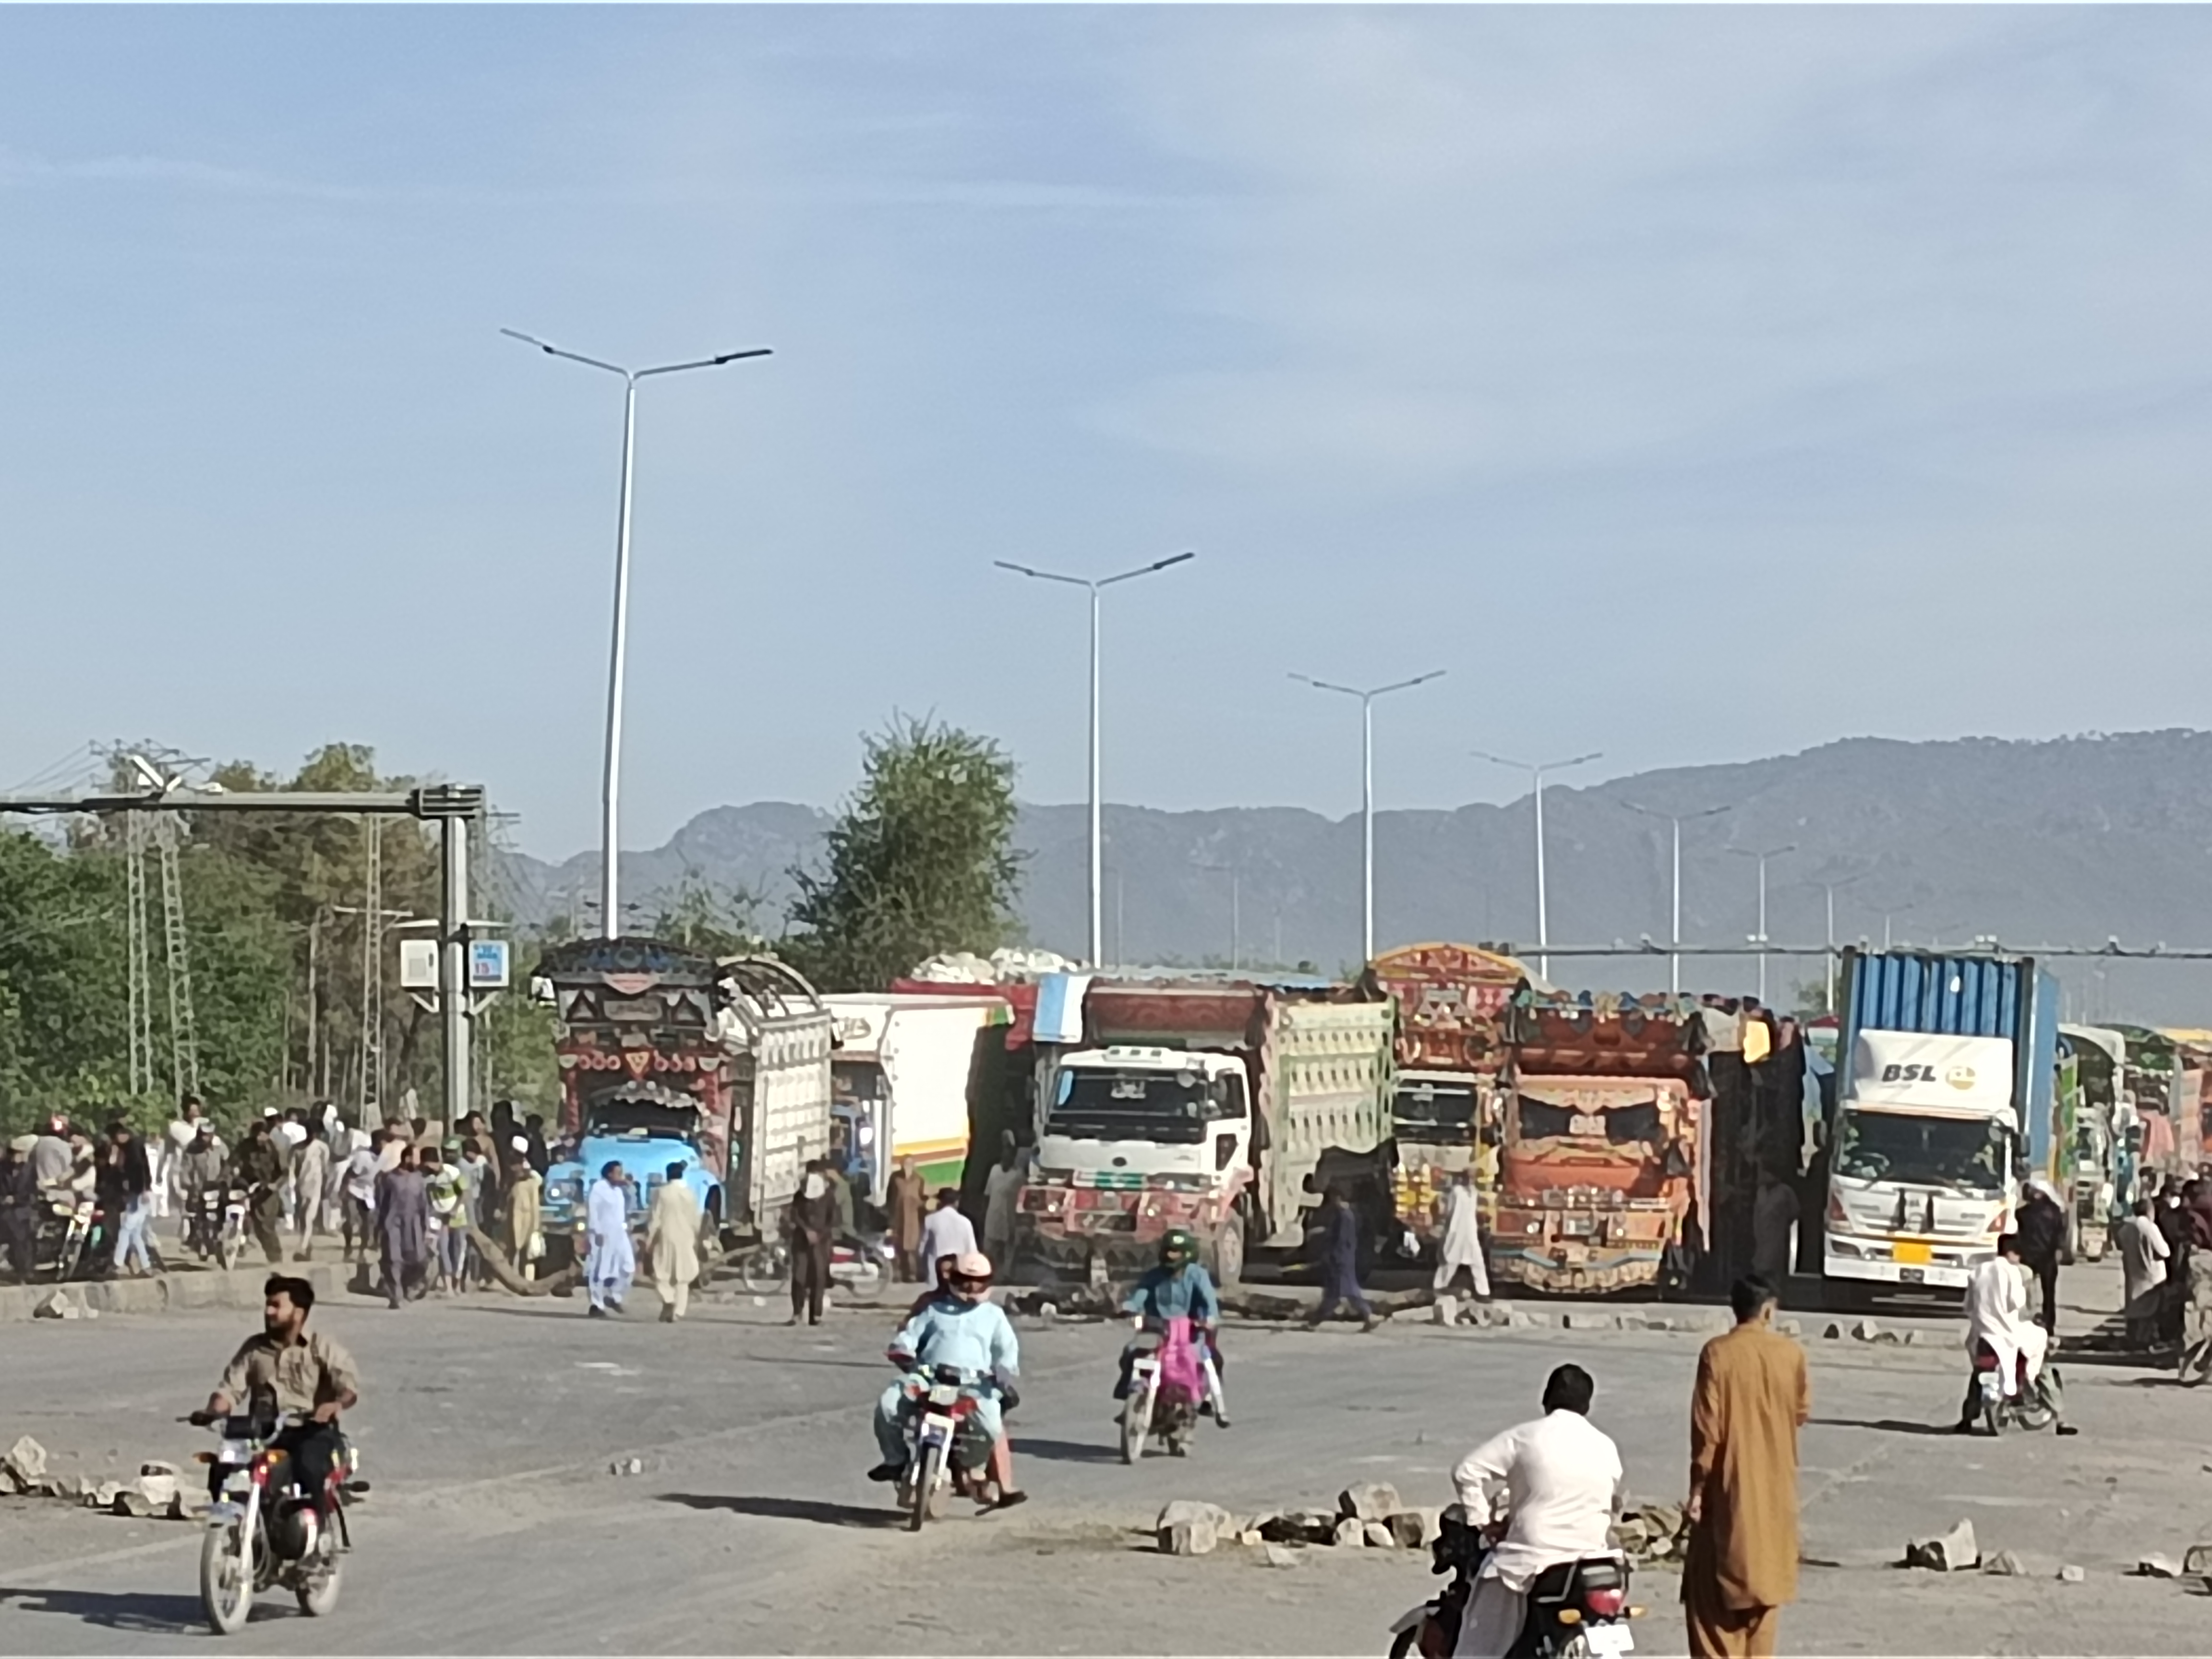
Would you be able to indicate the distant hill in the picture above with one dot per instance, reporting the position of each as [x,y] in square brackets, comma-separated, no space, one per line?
[2065,842]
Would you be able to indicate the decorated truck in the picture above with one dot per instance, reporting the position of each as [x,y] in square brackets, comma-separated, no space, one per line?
[902,1076]
[1604,1157]
[1223,1107]
[1449,1047]
[669,1056]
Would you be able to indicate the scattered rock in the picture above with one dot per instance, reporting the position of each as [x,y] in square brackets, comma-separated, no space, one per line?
[1049,1311]
[1371,1500]
[1834,1332]
[1189,1538]
[178,1509]
[1789,1327]
[1305,1527]
[1378,1535]
[103,1495]
[26,1460]
[1954,1551]
[627,1465]
[1414,1530]
[1250,1536]
[1189,1512]
[132,1502]
[1582,1318]
[1866,1330]
[157,1485]
[1349,1533]
[1914,1339]
[1282,1555]
[2070,1574]
[9,1486]
[2157,1566]
[2005,1564]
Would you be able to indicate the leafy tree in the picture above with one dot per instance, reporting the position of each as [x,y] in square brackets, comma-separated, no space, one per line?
[921,860]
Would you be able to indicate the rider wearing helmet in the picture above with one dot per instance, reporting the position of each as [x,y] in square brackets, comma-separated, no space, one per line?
[960,1327]
[1179,1288]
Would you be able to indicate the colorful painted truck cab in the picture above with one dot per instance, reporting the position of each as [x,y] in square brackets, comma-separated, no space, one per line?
[1222,1107]
[668,1056]
[1449,1047]
[1603,1155]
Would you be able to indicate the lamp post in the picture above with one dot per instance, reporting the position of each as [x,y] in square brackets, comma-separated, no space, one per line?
[1829,887]
[1096,839]
[1674,932]
[1367,789]
[1535,772]
[1760,938]
[611,783]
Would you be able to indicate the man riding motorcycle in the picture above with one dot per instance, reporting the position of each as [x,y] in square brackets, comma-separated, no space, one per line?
[1998,1319]
[310,1374]
[1179,1288]
[1563,1481]
[963,1327]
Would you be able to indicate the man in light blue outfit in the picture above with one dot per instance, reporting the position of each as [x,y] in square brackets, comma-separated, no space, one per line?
[960,1327]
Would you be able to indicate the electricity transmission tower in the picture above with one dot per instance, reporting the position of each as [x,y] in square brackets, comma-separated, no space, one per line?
[165,766]
[184,1039]
[140,969]
[372,976]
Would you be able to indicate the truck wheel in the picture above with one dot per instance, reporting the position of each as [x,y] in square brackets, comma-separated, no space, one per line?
[1225,1260]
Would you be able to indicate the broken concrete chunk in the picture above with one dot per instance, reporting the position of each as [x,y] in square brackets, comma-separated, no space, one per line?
[1188,1538]
[1188,1511]
[1349,1533]
[2157,1566]
[26,1460]
[131,1502]
[2005,1564]
[2070,1574]
[1250,1536]
[1834,1332]
[1282,1555]
[1378,1535]
[1866,1330]
[1954,1551]
[1371,1500]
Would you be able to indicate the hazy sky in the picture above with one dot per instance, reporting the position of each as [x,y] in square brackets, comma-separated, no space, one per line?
[1693,385]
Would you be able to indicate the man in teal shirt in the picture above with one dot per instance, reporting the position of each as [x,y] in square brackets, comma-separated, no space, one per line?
[1179,1288]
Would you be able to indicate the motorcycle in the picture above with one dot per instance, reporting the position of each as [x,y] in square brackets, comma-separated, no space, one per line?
[1576,1609]
[2034,1403]
[63,1249]
[861,1266]
[263,1528]
[218,1224]
[946,1447]
[1169,1381]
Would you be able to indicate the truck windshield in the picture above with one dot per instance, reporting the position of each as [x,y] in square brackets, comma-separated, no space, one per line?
[1171,1107]
[1434,1112]
[1965,1154]
[642,1120]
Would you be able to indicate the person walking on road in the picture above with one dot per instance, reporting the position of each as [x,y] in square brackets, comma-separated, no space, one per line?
[672,1243]
[260,1171]
[612,1263]
[2042,1228]
[2143,1255]
[1459,1247]
[1773,1221]
[1752,1397]
[311,1186]
[947,1231]
[403,1228]
[905,1198]
[1339,1261]
[357,1194]
[131,1186]
[523,1220]
[1002,1200]
[183,1130]
[812,1223]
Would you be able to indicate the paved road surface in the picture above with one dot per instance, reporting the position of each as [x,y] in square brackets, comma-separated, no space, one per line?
[488,1427]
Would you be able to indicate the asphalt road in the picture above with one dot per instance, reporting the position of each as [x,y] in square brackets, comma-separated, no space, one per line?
[488,1427]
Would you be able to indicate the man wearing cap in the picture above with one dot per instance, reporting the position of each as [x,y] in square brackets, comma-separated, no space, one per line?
[962,1328]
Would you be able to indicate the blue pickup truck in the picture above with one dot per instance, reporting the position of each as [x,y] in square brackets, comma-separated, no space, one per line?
[645,1129]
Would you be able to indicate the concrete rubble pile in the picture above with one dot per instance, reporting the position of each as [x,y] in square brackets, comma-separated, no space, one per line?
[155,1492]
[1366,1516]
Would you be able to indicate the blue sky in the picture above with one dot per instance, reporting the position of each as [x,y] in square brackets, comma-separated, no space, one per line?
[1693,385]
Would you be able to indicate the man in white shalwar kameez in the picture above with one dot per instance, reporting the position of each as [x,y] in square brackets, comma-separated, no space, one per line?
[1563,1479]
[1459,1247]
[612,1263]
[1998,1314]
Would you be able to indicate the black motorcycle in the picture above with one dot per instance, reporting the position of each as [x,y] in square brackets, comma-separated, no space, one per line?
[1576,1609]
[265,1529]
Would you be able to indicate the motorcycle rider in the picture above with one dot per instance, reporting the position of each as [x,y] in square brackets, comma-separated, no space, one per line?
[1002,1449]
[1997,1318]
[963,1327]
[308,1374]
[1563,1478]
[1179,1288]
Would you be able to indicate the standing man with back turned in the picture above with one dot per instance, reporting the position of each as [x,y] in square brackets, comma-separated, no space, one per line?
[1752,1397]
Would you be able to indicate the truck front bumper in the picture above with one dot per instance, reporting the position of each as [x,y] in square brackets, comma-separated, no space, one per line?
[1909,1275]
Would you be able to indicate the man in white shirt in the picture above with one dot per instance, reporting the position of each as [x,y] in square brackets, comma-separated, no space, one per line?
[945,1232]
[1563,1479]
[1998,1314]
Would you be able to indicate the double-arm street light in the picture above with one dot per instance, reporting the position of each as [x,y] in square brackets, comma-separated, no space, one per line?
[1095,585]
[1762,855]
[610,784]
[1367,788]
[1535,771]
[1675,933]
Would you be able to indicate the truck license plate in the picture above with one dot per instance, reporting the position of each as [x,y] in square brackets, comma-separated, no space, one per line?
[1906,1250]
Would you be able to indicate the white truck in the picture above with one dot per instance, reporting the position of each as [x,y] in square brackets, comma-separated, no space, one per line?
[901,1079]
[1923,1172]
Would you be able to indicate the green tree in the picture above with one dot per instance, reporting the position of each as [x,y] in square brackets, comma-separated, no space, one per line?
[921,860]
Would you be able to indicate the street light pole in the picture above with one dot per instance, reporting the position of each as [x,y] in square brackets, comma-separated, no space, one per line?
[611,781]
[1831,886]
[1674,933]
[1535,772]
[1770,852]
[1098,839]
[1367,789]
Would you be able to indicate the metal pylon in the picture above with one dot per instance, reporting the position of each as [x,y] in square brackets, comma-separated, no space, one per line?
[184,1044]
[372,978]
[139,967]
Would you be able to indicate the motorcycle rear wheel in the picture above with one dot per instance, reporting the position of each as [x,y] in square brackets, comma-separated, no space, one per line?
[867,1280]
[225,1582]
[762,1270]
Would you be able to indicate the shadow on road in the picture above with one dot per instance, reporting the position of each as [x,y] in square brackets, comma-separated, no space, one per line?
[1886,1424]
[1066,1451]
[790,1509]
[140,1612]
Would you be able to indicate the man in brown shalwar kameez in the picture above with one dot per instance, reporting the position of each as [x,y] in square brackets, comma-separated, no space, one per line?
[1751,1397]
[908,1197]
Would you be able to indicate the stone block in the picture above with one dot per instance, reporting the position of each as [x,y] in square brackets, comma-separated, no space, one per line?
[2157,1566]
[1866,1330]
[1349,1533]
[1414,1530]
[1188,1538]
[2005,1564]
[2070,1574]
[1189,1512]
[26,1460]
[1378,1535]
[1954,1551]
[1371,1500]
[1282,1555]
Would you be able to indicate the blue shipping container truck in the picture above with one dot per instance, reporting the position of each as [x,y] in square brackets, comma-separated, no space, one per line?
[1946,1097]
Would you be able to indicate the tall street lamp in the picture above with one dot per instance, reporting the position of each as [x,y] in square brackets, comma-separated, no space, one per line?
[1535,772]
[1098,942]
[1830,888]
[1675,933]
[1760,938]
[610,784]
[1367,789]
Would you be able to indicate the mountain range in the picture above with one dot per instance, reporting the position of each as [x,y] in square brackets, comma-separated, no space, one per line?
[2069,841]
